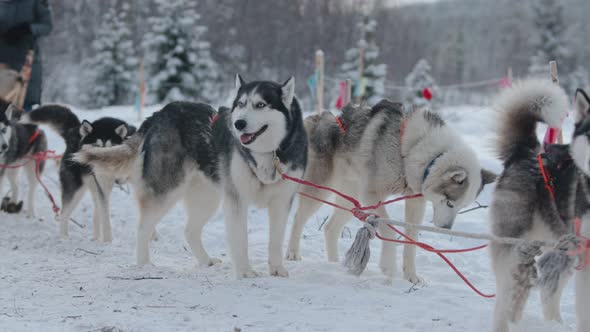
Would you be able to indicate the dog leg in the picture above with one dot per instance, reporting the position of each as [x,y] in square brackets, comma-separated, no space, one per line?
[414,214]
[515,275]
[151,212]
[69,201]
[278,215]
[388,259]
[236,228]
[333,229]
[200,207]
[105,203]
[582,289]
[307,208]
[555,269]
[32,179]
[12,175]
[98,199]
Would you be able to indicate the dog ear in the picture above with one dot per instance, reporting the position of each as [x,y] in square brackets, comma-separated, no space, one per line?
[10,112]
[458,175]
[239,81]
[122,131]
[582,105]
[85,128]
[487,177]
[288,90]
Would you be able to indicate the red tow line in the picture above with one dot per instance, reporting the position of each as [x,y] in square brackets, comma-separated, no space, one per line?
[359,212]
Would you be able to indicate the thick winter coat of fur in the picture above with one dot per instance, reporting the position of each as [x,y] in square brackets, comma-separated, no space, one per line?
[384,152]
[523,207]
[74,178]
[177,154]
[18,143]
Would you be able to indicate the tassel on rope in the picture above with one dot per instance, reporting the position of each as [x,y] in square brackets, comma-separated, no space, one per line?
[358,255]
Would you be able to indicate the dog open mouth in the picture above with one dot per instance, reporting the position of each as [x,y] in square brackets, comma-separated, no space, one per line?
[249,138]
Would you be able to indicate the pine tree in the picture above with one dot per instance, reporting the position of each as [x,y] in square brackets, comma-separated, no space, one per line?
[110,71]
[418,80]
[550,42]
[373,72]
[178,56]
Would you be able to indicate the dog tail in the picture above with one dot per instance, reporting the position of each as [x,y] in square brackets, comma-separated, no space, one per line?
[59,118]
[521,107]
[118,160]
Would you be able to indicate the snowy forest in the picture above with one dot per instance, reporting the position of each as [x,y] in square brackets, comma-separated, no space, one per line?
[192,49]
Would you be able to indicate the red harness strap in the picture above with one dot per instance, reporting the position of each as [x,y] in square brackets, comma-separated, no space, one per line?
[35,136]
[214,118]
[340,124]
[546,177]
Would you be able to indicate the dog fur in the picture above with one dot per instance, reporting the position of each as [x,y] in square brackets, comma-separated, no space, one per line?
[76,179]
[372,160]
[522,206]
[177,154]
[15,149]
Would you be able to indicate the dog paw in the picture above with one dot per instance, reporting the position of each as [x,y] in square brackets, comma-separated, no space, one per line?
[293,255]
[11,207]
[388,271]
[413,278]
[212,261]
[278,271]
[248,273]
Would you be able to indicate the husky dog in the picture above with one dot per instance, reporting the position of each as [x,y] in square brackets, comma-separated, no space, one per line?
[18,142]
[383,152]
[524,207]
[177,154]
[74,178]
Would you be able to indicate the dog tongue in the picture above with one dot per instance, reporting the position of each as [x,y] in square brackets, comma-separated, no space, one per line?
[245,138]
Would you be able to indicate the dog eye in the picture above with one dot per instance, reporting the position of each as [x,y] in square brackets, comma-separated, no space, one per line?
[449,204]
[260,105]
[240,104]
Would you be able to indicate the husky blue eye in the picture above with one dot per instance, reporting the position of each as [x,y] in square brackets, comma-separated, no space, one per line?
[240,104]
[260,105]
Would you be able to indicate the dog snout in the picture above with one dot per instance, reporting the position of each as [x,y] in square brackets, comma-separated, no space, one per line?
[240,124]
[4,147]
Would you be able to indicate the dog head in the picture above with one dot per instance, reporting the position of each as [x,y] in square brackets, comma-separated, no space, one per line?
[7,114]
[580,146]
[104,132]
[261,112]
[452,181]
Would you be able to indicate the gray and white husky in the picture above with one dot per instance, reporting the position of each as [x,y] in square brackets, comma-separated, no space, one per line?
[523,207]
[19,142]
[178,154]
[76,179]
[385,151]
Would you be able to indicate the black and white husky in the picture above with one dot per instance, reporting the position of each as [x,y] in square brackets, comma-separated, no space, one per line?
[178,154]
[523,207]
[18,142]
[74,178]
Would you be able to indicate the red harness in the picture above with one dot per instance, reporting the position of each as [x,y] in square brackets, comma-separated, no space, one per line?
[34,137]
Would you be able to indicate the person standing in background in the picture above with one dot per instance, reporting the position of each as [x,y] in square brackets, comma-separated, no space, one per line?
[22,23]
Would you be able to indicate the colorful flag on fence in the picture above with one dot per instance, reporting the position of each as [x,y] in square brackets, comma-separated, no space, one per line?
[341,96]
[505,82]
[427,94]
[361,87]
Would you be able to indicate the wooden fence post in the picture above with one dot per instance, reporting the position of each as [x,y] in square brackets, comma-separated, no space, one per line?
[555,80]
[319,65]
[348,91]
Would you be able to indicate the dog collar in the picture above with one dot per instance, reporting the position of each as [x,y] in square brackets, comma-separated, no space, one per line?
[427,169]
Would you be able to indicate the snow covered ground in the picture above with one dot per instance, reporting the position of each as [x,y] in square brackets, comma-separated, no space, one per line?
[51,284]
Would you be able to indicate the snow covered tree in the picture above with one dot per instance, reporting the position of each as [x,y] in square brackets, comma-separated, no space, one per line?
[374,73]
[422,87]
[110,71]
[550,41]
[177,55]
